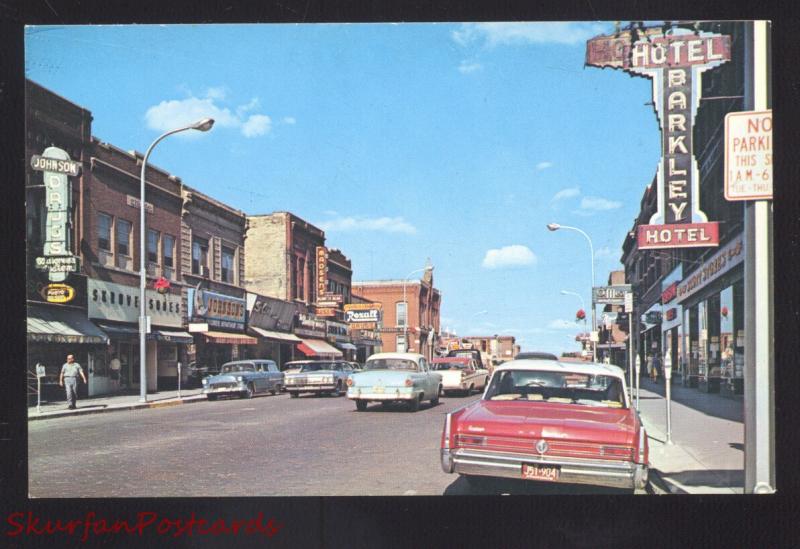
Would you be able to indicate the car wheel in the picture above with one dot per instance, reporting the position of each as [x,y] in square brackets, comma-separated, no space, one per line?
[294,394]
[413,404]
[361,405]
[211,397]
[275,390]
[435,400]
[249,392]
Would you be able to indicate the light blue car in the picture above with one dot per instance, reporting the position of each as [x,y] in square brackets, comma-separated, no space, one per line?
[395,377]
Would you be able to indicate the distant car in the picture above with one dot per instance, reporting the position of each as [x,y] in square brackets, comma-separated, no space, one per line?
[320,377]
[395,377]
[549,421]
[356,366]
[461,374]
[244,378]
[196,372]
[535,355]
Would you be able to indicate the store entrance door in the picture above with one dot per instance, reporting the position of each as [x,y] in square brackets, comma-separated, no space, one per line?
[99,374]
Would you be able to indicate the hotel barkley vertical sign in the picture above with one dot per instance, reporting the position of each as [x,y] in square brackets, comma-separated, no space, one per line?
[675,63]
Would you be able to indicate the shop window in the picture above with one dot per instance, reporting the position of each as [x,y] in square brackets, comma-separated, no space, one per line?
[199,256]
[726,332]
[152,245]
[104,231]
[167,352]
[227,265]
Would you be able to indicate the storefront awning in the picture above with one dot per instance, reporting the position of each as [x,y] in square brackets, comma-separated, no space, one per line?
[279,336]
[347,346]
[229,338]
[172,337]
[119,332]
[60,325]
[317,347]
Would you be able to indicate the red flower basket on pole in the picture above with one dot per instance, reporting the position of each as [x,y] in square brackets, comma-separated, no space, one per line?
[580,315]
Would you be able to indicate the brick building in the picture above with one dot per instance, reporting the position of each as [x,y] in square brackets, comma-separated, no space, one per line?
[415,331]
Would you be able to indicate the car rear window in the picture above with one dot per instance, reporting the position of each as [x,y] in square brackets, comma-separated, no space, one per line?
[316,366]
[391,364]
[557,387]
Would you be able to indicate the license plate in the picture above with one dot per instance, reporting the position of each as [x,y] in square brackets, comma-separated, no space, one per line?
[532,471]
[377,389]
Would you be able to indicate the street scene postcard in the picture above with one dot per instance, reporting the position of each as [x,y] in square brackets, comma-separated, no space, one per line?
[407,259]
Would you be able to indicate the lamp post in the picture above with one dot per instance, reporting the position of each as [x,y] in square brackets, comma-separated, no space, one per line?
[583,304]
[555,227]
[405,304]
[202,125]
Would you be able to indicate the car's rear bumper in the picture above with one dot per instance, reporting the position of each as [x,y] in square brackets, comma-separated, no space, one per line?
[614,474]
[388,394]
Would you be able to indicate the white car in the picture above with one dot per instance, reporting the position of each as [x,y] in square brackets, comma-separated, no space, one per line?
[461,374]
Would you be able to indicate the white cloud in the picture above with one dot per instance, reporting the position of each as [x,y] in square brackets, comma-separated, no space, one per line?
[494,34]
[599,204]
[560,324]
[358,223]
[467,67]
[174,113]
[289,120]
[569,192]
[257,124]
[544,165]
[605,251]
[508,256]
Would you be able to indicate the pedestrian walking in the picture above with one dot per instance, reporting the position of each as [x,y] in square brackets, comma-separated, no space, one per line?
[70,371]
[651,367]
[657,366]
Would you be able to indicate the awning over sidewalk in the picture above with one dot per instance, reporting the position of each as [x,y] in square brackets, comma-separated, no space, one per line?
[229,338]
[119,332]
[317,347]
[278,336]
[347,346]
[171,337]
[61,325]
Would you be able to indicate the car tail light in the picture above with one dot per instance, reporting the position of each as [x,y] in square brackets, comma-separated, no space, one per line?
[349,382]
[409,382]
[617,451]
[470,440]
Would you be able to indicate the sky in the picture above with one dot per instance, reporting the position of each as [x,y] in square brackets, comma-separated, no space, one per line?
[455,142]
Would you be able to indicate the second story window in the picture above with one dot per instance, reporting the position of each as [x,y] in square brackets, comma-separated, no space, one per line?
[227,265]
[123,237]
[401,314]
[200,256]
[104,232]
[168,245]
[152,245]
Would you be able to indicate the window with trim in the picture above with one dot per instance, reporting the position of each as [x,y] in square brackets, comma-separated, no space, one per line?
[123,235]
[227,264]
[402,319]
[168,246]
[104,231]
[199,256]
[152,245]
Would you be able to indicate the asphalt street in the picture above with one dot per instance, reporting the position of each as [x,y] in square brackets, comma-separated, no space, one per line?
[265,446]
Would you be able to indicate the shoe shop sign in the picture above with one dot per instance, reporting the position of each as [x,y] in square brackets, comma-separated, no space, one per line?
[57,260]
[675,62]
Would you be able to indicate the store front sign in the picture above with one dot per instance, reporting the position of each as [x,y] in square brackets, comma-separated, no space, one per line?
[670,293]
[218,310]
[337,331]
[610,295]
[310,327]
[110,301]
[57,260]
[58,293]
[675,63]
[326,311]
[748,155]
[273,314]
[720,263]
[322,270]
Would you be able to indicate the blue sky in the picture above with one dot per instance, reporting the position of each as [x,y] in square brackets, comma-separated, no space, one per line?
[457,142]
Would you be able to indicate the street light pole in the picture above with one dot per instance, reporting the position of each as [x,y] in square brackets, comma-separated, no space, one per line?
[583,307]
[555,227]
[202,125]
[405,304]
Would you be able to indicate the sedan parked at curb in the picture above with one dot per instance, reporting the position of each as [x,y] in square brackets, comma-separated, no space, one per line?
[549,421]
[244,378]
[395,377]
[318,376]
[461,374]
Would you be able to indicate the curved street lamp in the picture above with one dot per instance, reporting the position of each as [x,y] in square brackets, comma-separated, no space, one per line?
[201,125]
[554,227]
[405,304]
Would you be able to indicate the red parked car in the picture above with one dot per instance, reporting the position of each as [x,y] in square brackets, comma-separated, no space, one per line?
[548,421]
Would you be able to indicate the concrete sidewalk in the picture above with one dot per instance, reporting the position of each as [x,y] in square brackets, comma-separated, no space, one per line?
[113,403]
[707,451]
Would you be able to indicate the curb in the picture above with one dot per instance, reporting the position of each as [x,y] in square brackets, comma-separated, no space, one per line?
[656,485]
[100,410]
